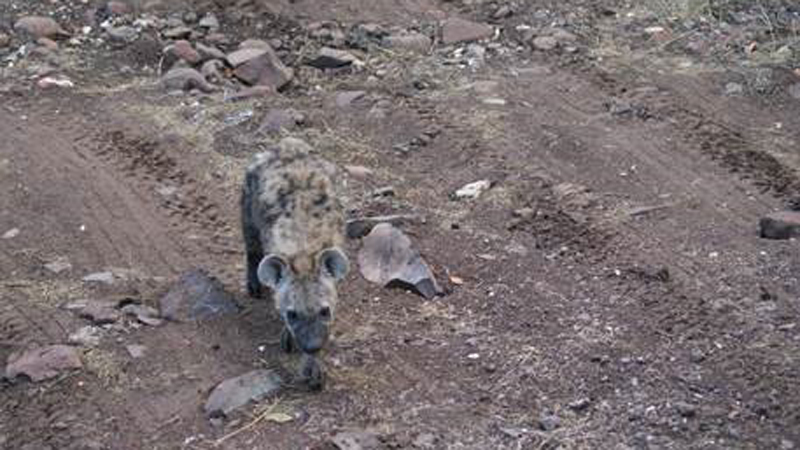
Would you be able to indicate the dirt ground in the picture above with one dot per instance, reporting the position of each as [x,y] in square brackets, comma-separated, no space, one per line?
[633,307]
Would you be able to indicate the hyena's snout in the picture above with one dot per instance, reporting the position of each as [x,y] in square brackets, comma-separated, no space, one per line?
[310,331]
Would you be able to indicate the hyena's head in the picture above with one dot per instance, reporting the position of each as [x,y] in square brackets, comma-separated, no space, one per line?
[305,295]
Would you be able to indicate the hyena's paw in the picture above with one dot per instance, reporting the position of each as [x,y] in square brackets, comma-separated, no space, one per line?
[287,341]
[312,374]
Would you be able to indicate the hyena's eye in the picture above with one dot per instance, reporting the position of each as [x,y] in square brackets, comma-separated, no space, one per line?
[325,313]
[291,316]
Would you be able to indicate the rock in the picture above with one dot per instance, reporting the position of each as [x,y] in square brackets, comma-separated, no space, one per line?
[122,34]
[243,55]
[255,43]
[212,70]
[43,363]
[457,30]
[266,69]
[786,444]
[794,90]
[143,313]
[100,312]
[473,190]
[239,391]
[359,172]
[99,277]
[346,98]
[331,58]
[251,92]
[88,336]
[503,12]
[388,258]
[196,296]
[55,82]
[781,225]
[734,89]
[136,351]
[48,43]
[208,52]
[356,440]
[580,404]
[564,36]
[218,39]
[281,119]
[549,422]
[412,42]
[545,43]
[685,409]
[186,79]
[117,8]
[58,265]
[180,32]
[39,26]
[5,40]
[183,49]
[11,234]
[209,22]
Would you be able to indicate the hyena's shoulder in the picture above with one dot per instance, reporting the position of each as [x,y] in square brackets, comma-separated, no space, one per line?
[296,202]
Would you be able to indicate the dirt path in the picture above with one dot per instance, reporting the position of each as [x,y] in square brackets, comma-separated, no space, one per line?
[632,306]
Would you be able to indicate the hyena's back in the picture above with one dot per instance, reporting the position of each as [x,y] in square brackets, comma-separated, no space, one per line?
[290,207]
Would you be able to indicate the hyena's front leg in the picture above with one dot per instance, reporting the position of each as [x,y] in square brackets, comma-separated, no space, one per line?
[287,341]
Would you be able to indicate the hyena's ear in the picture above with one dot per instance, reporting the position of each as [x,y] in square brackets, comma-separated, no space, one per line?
[333,263]
[272,271]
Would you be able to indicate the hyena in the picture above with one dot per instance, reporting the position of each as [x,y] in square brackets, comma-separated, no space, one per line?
[293,228]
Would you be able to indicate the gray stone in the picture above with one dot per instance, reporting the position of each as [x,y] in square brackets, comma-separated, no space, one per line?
[549,422]
[212,70]
[734,89]
[794,91]
[412,42]
[545,43]
[580,404]
[356,440]
[208,52]
[39,26]
[209,22]
[255,43]
[180,32]
[345,99]
[236,392]
[473,190]
[281,119]
[781,225]
[183,49]
[100,312]
[265,69]
[685,409]
[4,40]
[100,277]
[58,265]
[564,36]
[251,92]
[136,351]
[43,363]
[88,336]
[388,258]
[122,34]
[143,313]
[243,55]
[186,79]
[196,296]
[457,30]
[331,58]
